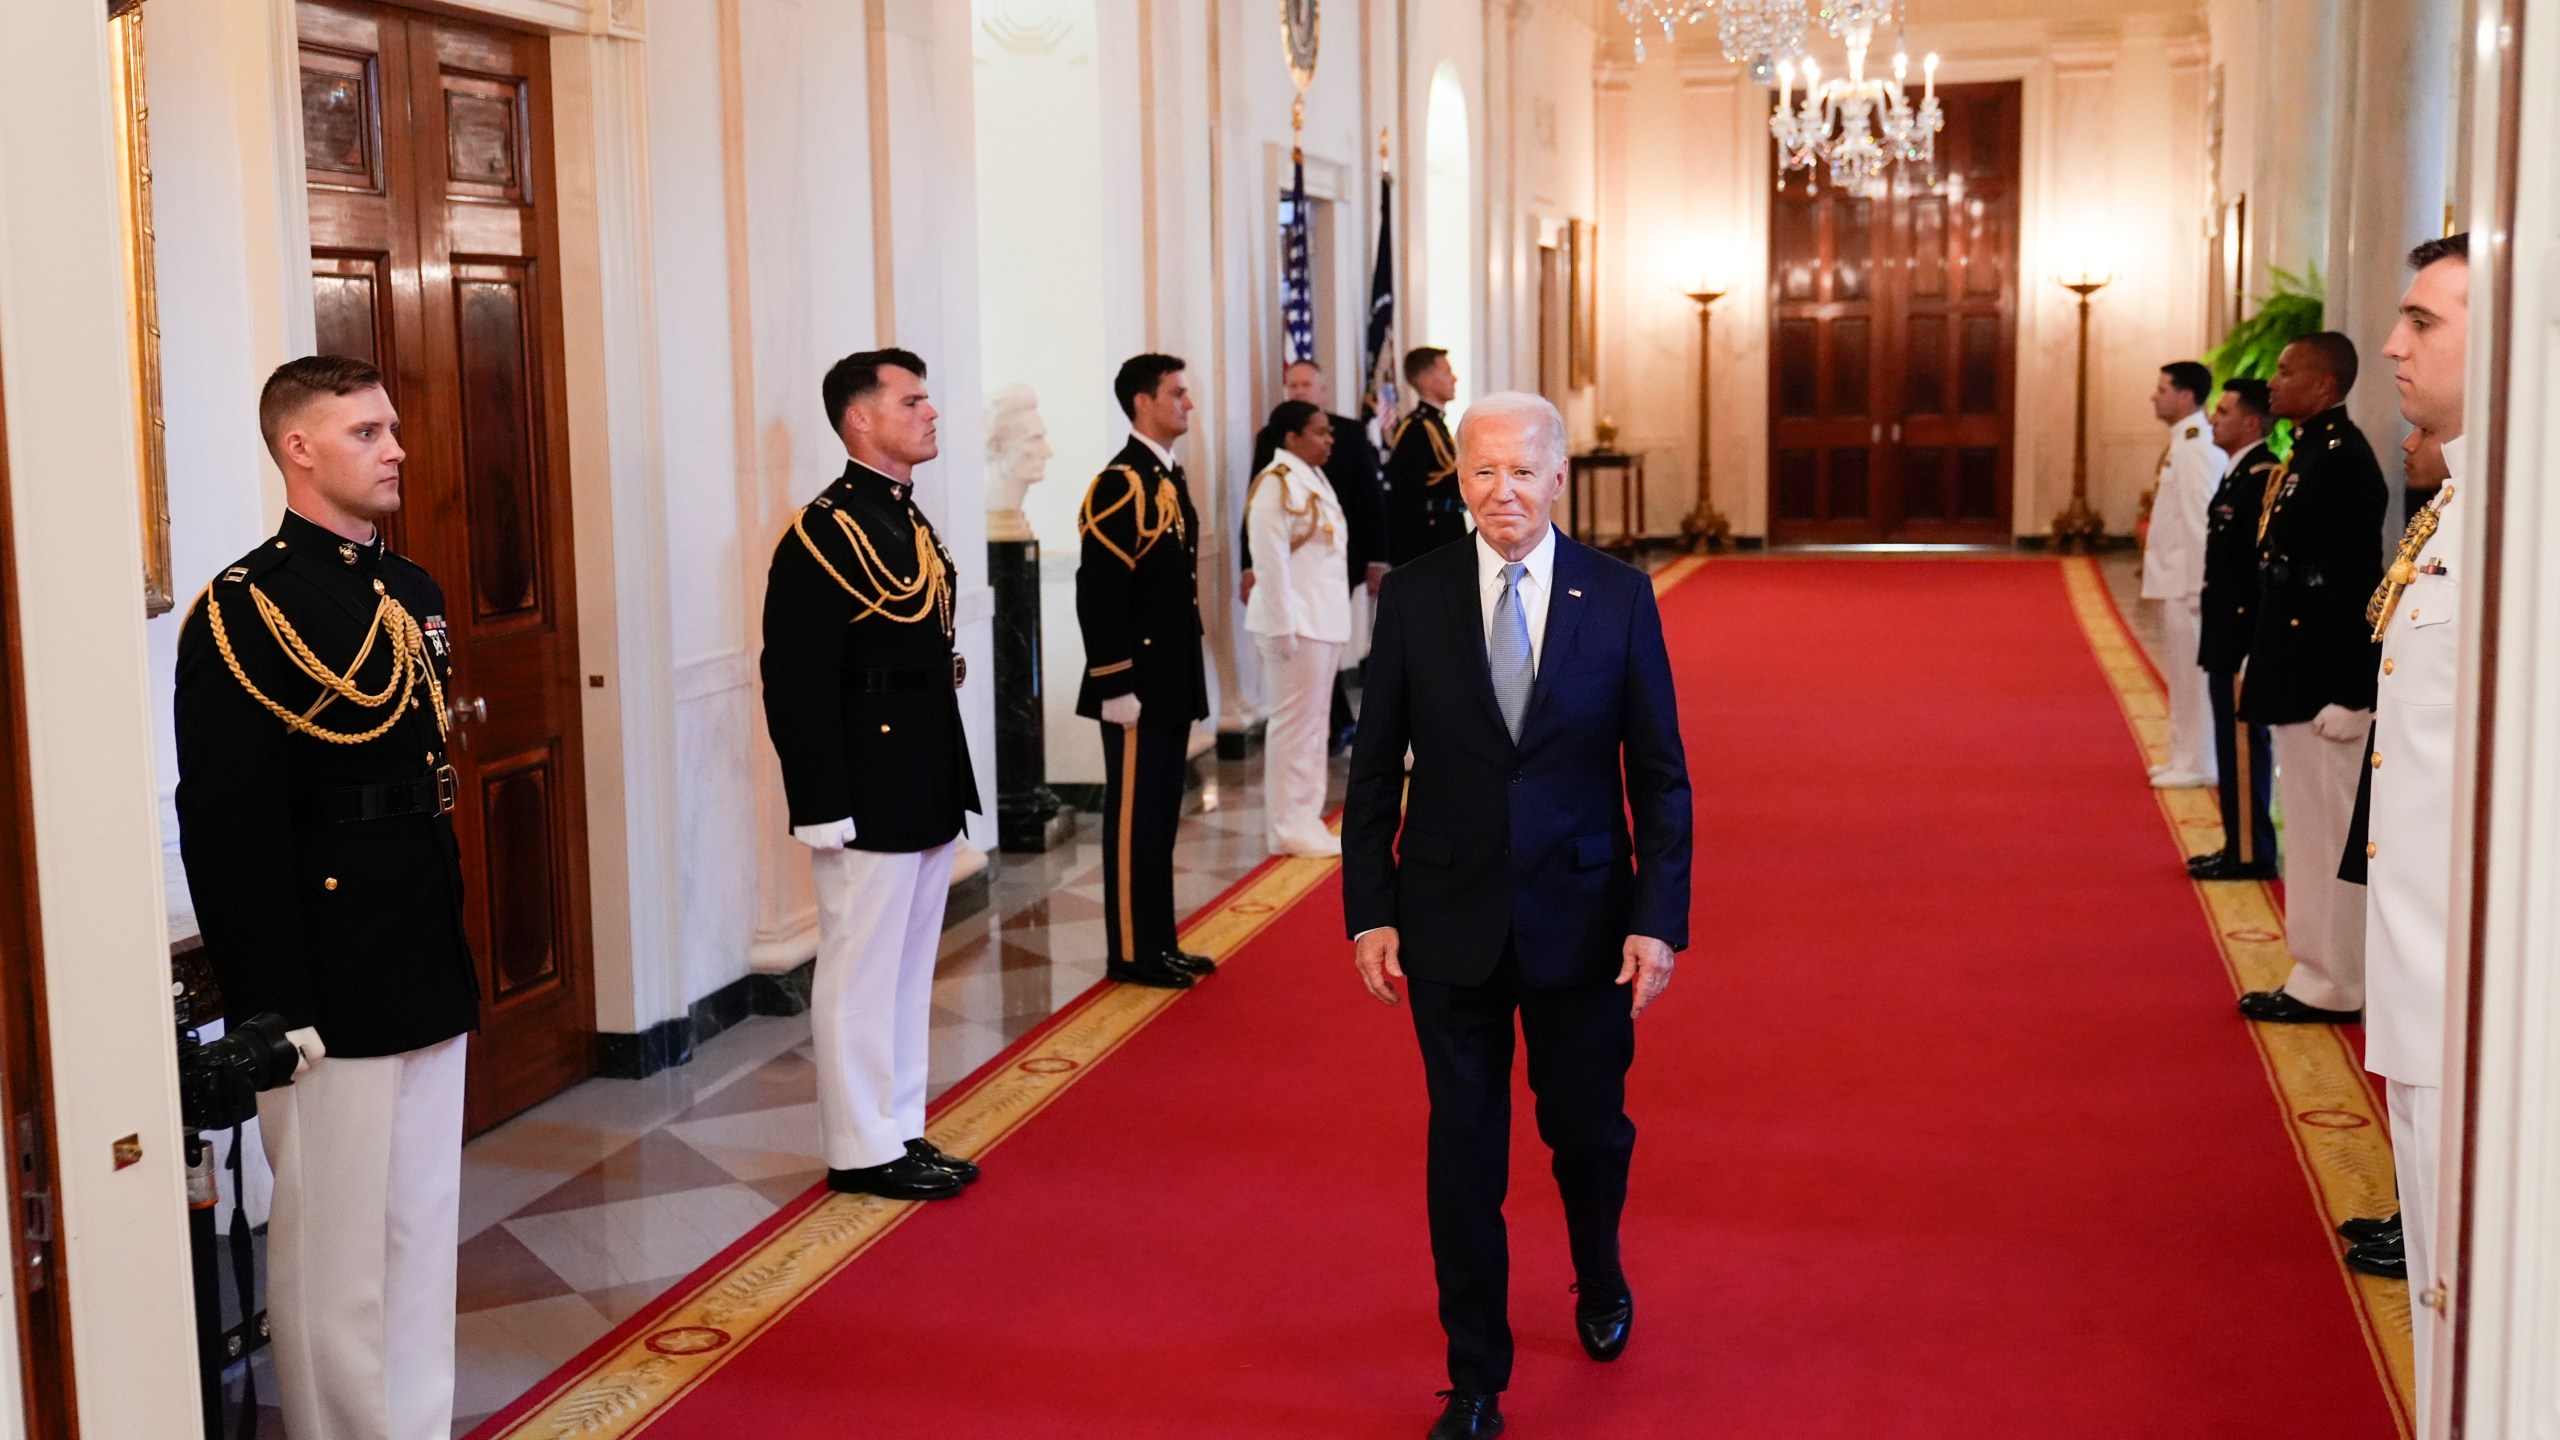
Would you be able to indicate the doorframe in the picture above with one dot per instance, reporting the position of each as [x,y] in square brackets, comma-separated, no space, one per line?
[39,1282]
[617,493]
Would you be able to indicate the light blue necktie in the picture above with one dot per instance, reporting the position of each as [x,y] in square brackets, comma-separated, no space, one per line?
[1507,650]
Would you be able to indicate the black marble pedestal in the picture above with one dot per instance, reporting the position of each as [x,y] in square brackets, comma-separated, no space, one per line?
[1029,816]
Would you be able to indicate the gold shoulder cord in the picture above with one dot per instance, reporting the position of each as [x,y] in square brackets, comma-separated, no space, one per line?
[1443,453]
[1145,533]
[2422,528]
[930,589]
[1303,518]
[2267,501]
[409,665]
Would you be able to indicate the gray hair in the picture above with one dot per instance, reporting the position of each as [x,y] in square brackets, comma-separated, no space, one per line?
[1546,423]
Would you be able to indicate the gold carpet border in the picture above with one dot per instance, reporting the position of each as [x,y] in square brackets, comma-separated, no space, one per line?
[2331,1113]
[629,1387]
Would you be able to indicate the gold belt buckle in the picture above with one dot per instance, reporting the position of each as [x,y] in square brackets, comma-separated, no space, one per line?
[959,671]
[448,789]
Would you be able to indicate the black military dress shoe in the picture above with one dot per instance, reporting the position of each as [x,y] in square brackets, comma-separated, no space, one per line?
[1197,965]
[2277,1008]
[1156,970]
[965,1171]
[905,1178]
[2386,1258]
[2366,1232]
[2223,865]
[1603,1316]
[1469,1415]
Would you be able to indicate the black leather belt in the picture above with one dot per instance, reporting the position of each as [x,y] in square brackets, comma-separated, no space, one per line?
[911,678]
[430,794]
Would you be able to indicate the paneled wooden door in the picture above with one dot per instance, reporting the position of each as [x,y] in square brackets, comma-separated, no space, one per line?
[1893,344]
[434,247]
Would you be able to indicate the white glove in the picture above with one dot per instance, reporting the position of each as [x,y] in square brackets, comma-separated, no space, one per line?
[2341,726]
[833,835]
[1120,710]
[306,1040]
[1284,646]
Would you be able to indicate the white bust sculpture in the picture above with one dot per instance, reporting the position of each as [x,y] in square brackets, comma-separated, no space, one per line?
[1017,457]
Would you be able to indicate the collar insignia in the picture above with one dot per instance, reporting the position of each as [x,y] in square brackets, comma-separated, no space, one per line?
[347,551]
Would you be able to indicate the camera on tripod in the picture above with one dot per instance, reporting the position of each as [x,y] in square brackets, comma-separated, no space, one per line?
[219,1080]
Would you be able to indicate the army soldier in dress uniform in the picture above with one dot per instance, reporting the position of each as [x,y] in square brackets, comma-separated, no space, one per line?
[859,696]
[314,817]
[1138,604]
[2312,665]
[2407,850]
[2173,556]
[2241,752]
[1424,510]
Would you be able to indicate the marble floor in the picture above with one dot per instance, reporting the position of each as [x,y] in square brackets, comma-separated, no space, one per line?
[581,1211]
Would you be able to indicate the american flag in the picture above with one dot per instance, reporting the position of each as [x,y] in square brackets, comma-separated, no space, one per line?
[1297,292]
[1378,400]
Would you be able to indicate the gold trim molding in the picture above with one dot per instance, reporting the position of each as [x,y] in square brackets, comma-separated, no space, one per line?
[142,302]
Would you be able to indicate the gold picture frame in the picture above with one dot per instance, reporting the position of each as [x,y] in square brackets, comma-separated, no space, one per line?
[142,299]
[1582,342]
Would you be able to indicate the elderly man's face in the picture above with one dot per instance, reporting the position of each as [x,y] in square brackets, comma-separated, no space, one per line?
[1510,481]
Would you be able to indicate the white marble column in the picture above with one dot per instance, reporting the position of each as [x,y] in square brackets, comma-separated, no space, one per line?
[2299,51]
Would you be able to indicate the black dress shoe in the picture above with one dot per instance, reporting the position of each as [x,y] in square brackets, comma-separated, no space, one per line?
[2223,865]
[1156,970]
[905,1178]
[2366,1232]
[1469,1415]
[2277,1008]
[1603,1316]
[965,1171]
[1182,959]
[2385,1258]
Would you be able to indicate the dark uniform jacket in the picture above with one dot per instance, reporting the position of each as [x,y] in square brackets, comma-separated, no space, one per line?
[860,681]
[309,910]
[2231,561]
[1138,590]
[1352,471]
[2319,559]
[1424,509]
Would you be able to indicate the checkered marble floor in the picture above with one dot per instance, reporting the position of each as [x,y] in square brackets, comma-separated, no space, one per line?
[578,1213]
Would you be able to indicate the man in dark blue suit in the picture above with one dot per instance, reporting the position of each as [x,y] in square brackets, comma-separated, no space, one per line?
[1527,676]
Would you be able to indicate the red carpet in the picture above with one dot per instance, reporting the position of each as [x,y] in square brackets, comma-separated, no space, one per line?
[1946,1125]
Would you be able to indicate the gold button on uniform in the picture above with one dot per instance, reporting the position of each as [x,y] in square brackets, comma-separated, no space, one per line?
[2377,759]
[884,729]
[378,590]
[2296,624]
[329,884]
[2388,666]
[2413,614]
[2371,849]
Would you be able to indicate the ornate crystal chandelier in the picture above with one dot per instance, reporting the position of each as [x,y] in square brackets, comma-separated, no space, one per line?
[1853,125]
[1755,33]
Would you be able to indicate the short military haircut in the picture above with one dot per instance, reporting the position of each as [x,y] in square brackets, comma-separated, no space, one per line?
[1140,375]
[2444,247]
[1421,358]
[857,375]
[1294,364]
[2252,395]
[2334,353]
[296,383]
[2191,377]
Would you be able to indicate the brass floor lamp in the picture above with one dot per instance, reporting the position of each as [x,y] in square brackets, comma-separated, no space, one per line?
[1705,527]
[2079,527]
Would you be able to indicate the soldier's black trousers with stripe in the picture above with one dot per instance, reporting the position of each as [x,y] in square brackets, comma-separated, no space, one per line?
[2243,753]
[1142,772]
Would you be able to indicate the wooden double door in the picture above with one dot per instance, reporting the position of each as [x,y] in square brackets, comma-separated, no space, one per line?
[435,255]
[1893,344]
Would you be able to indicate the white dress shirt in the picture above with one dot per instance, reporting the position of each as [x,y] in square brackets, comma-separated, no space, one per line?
[1536,587]
[1162,453]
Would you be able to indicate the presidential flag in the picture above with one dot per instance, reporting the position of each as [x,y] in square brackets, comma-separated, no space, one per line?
[1378,400]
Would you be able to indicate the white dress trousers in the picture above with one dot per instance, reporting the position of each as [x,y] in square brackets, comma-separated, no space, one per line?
[2190,703]
[871,998]
[2417,1114]
[2323,915]
[361,1243]
[1293,745]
